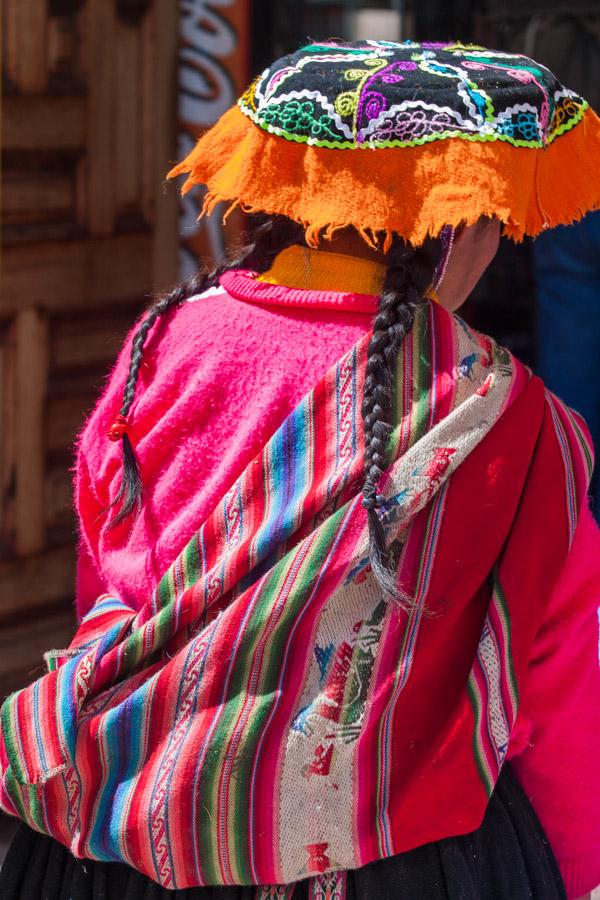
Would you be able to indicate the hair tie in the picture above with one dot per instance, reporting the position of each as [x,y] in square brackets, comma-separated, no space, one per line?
[118,428]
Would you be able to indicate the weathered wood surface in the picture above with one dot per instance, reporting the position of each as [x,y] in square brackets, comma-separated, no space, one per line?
[30,389]
[65,276]
[88,128]
[43,123]
[42,580]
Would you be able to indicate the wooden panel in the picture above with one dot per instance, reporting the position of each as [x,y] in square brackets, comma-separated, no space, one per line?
[101,162]
[64,41]
[58,495]
[159,97]
[31,197]
[76,274]
[93,341]
[26,44]
[160,107]
[64,420]
[6,38]
[7,407]
[43,123]
[22,648]
[128,110]
[7,444]
[31,375]
[149,126]
[39,580]
[89,231]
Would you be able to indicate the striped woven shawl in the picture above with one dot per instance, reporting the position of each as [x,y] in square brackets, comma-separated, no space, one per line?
[267,715]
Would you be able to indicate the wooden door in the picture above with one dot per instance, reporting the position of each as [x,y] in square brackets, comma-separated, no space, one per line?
[89,231]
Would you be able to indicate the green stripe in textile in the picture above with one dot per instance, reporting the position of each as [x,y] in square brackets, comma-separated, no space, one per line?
[478,752]
[411,402]
[254,678]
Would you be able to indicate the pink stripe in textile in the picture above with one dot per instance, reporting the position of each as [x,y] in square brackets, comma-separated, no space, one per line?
[577,453]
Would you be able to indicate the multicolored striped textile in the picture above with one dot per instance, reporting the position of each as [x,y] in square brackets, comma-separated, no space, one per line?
[261,719]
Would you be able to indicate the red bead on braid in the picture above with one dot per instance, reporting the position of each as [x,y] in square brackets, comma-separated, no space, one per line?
[118,428]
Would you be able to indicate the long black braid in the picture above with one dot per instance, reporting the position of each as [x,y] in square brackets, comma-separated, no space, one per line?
[408,277]
[269,237]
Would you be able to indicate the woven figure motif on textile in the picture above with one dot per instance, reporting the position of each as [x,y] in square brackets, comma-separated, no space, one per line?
[382,94]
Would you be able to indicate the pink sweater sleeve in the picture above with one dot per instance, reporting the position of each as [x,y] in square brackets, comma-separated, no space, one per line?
[555,748]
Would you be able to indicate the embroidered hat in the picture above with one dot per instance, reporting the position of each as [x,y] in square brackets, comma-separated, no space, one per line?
[403,138]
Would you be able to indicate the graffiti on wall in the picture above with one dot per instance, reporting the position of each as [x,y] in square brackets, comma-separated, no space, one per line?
[213,71]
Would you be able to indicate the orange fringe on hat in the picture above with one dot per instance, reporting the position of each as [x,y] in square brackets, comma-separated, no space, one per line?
[410,191]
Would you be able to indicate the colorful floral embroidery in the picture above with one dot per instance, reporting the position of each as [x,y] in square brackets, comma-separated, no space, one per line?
[381,94]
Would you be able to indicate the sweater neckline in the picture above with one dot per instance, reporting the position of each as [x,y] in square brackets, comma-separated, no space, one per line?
[304,277]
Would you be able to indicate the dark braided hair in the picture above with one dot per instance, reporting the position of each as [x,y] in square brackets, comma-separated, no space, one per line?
[269,236]
[408,276]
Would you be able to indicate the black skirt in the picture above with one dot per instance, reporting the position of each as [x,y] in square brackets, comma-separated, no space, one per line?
[507,858]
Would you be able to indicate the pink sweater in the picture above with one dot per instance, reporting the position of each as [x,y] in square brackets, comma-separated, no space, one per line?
[197,424]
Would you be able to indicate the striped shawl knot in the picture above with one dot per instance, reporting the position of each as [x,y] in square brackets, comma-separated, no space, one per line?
[251,724]
[66,688]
